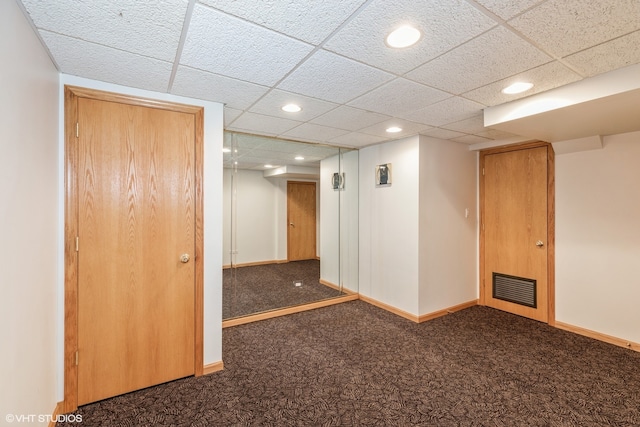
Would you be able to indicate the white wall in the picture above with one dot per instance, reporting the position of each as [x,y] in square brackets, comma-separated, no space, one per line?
[29,188]
[256,219]
[388,229]
[598,238]
[448,254]
[212,187]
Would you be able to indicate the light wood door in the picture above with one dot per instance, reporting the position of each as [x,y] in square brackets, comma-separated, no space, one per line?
[301,218]
[515,234]
[136,214]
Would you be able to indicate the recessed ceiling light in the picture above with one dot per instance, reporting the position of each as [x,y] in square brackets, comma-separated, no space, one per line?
[394,129]
[517,87]
[404,36]
[299,158]
[268,166]
[291,108]
[226,150]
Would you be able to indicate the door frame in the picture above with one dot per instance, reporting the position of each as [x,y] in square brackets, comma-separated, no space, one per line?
[551,225]
[71,96]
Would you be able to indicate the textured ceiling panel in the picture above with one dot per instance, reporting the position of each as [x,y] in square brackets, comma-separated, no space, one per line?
[471,139]
[202,85]
[356,139]
[311,21]
[408,128]
[227,45]
[333,78]
[448,111]
[473,124]
[230,114]
[272,103]
[312,132]
[506,9]
[93,61]
[444,25]
[129,25]
[260,124]
[547,76]
[443,133]
[493,56]
[392,98]
[563,27]
[349,118]
[615,54]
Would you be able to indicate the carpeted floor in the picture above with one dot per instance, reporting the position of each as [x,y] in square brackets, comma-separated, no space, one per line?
[353,364]
[268,287]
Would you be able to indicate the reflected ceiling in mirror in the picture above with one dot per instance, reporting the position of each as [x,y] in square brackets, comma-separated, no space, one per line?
[254,152]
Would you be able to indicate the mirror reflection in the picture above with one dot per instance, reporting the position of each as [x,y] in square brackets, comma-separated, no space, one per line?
[289,223]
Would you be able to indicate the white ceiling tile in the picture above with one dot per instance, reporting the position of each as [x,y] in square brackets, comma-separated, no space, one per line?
[608,56]
[272,103]
[230,46]
[448,111]
[356,139]
[333,78]
[312,132]
[202,85]
[408,128]
[470,139]
[230,114]
[495,134]
[349,118]
[544,77]
[473,124]
[563,27]
[399,96]
[492,56]
[311,20]
[444,25]
[442,133]
[261,124]
[94,61]
[508,8]
[129,25]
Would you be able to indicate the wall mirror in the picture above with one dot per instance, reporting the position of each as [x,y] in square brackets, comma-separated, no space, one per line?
[290,223]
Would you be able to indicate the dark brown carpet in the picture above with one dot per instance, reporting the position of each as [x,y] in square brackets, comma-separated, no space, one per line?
[268,287]
[352,364]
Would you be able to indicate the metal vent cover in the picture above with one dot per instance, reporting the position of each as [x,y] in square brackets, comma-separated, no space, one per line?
[514,289]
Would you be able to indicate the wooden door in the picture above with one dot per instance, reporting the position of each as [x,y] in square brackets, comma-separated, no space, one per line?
[136,218]
[515,231]
[301,217]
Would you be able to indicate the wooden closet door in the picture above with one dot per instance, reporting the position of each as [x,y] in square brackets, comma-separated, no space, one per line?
[515,221]
[301,215]
[136,219]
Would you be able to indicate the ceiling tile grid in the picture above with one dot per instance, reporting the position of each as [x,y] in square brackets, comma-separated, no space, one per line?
[330,57]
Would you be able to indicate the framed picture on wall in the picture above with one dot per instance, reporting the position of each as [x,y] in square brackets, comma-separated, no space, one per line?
[383,175]
[337,181]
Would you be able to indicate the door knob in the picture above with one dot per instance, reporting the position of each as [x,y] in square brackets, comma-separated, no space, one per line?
[539,243]
[184,258]
[291,224]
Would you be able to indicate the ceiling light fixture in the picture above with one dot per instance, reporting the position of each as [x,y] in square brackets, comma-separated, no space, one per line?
[268,166]
[226,150]
[517,87]
[394,129]
[404,36]
[299,158]
[292,108]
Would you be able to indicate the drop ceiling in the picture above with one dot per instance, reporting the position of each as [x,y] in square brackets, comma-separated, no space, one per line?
[330,57]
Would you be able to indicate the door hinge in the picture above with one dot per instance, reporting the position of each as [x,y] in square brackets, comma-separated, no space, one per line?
[77,243]
[482,171]
[77,357]
[77,130]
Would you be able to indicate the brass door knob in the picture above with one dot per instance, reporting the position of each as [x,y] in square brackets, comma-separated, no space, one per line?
[539,243]
[184,258]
